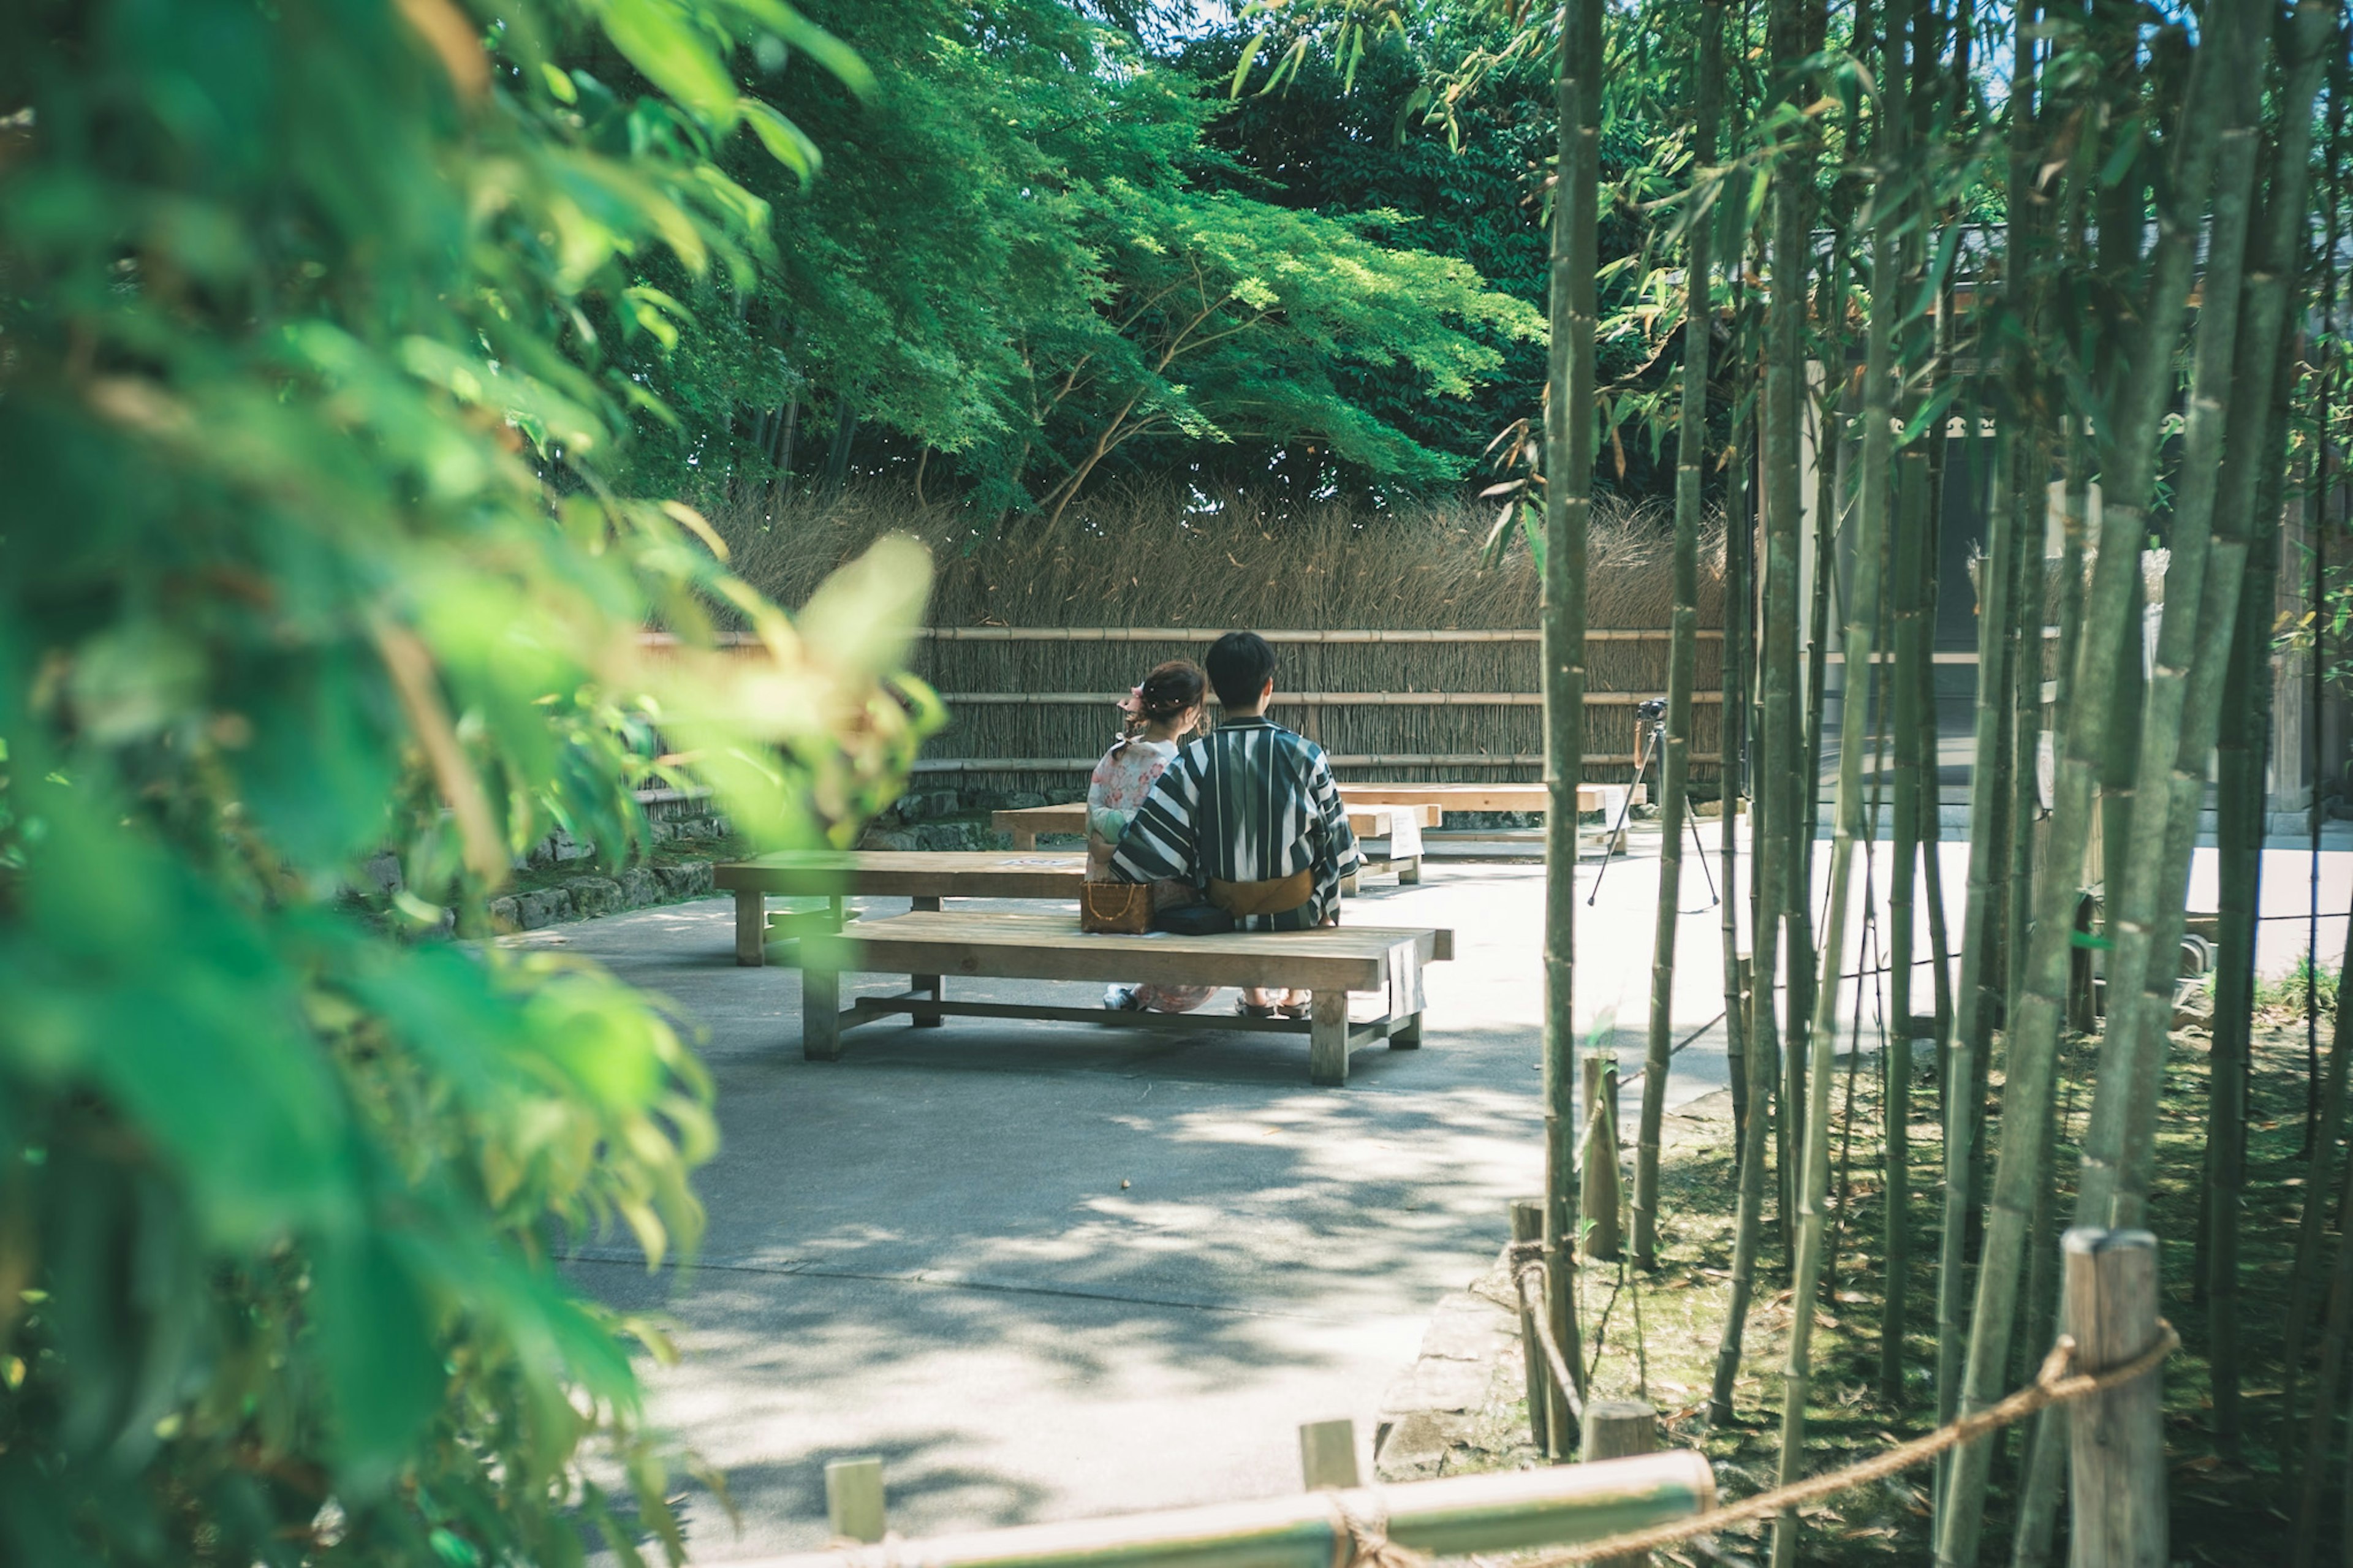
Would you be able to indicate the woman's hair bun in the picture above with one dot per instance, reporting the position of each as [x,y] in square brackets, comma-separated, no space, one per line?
[1170,688]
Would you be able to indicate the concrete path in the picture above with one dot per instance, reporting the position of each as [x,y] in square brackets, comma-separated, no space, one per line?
[1049,1270]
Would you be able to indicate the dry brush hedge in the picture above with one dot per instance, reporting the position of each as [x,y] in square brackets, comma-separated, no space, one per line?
[1162,558]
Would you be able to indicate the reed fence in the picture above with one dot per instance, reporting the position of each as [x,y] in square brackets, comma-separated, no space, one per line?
[1405,648]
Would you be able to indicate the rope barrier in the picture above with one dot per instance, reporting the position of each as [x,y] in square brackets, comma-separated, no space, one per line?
[1360,1540]
[1528,1273]
[2053,1384]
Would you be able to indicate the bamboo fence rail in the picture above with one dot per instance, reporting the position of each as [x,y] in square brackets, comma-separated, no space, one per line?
[1320,699]
[1337,759]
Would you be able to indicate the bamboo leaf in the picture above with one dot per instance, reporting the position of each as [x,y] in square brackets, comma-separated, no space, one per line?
[1928,413]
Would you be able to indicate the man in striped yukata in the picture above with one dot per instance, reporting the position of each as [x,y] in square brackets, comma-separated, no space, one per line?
[1249,815]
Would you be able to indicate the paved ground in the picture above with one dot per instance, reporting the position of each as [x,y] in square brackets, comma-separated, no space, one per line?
[1046,1270]
[1049,1270]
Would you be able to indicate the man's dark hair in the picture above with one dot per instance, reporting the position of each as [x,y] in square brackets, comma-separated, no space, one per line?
[1239,664]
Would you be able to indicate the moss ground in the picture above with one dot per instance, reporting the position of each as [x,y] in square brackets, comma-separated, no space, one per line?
[1658,1331]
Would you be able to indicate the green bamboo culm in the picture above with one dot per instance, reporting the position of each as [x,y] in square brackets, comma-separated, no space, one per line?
[1870,501]
[1776,734]
[1683,650]
[1847,826]
[2227,508]
[2129,459]
[1568,471]
[1784,386]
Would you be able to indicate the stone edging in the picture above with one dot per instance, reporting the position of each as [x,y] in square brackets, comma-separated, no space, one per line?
[584,898]
[1461,1396]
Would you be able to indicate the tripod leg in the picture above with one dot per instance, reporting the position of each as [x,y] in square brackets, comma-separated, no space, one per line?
[1701,844]
[1609,844]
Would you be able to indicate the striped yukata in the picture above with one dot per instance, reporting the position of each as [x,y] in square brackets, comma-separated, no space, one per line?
[1250,802]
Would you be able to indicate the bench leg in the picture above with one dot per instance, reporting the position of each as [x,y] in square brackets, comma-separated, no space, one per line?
[1349,884]
[926,983]
[1410,871]
[1025,839]
[820,1014]
[1327,1039]
[751,927]
[1406,1035]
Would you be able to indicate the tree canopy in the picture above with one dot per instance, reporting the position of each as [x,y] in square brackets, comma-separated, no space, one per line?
[1051,268]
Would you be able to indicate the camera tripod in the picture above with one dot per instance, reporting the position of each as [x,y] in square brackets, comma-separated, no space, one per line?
[1652,715]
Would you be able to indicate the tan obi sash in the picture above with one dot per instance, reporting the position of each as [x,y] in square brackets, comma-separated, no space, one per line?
[1283,894]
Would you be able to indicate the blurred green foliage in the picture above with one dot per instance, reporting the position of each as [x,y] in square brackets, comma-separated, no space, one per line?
[315,332]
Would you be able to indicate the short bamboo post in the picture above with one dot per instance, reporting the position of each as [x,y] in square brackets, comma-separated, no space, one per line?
[1327,1454]
[1601,1184]
[2115,1438]
[1527,1230]
[1614,1429]
[853,1499]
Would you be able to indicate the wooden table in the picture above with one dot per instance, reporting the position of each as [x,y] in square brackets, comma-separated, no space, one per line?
[1388,836]
[1330,962]
[925,876]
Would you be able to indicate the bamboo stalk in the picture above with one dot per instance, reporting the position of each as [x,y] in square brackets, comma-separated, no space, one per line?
[2319,1179]
[1847,827]
[1784,400]
[2335,1335]
[1896,1113]
[1568,464]
[1872,493]
[2032,1038]
[1777,732]
[1729,782]
[2248,489]
[1810,1063]
[1682,659]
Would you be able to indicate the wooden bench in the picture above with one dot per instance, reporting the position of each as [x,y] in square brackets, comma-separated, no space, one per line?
[1608,799]
[1330,962]
[924,875]
[1388,836]
[1447,797]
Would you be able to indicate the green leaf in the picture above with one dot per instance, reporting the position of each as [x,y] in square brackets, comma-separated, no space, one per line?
[783,139]
[661,39]
[376,1349]
[812,40]
[1925,416]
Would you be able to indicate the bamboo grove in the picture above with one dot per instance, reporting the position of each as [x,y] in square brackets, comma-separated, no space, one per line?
[2082,259]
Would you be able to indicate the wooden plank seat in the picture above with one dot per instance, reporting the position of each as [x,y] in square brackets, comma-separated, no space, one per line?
[1447,797]
[1606,798]
[924,875]
[1332,962]
[1388,836]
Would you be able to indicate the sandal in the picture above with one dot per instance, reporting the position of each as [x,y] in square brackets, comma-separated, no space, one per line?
[1294,1009]
[1249,1009]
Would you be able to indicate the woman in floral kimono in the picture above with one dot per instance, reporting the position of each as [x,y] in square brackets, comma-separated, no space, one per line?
[1159,714]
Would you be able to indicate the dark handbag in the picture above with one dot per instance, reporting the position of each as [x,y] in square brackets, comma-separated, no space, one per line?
[1194,920]
[1114,908]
